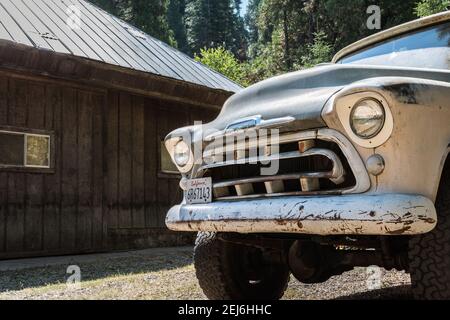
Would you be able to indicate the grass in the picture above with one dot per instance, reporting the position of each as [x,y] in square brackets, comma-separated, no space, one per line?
[169,274]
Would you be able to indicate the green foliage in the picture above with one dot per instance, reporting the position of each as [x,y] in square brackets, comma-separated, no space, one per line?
[148,15]
[428,7]
[276,36]
[215,23]
[268,62]
[342,21]
[112,6]
[251,20]
[319,51]
[288,35]
[224,62]
[175,18]
[151,17]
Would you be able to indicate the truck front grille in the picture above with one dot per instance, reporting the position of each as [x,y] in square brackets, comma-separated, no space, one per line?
[308,164]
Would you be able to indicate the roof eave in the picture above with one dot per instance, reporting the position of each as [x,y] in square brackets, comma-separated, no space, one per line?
[20,58]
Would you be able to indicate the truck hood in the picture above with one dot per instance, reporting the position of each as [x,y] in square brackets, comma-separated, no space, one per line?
[303,94]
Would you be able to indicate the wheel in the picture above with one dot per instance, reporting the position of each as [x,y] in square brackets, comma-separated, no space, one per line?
[429,254]
[227,271]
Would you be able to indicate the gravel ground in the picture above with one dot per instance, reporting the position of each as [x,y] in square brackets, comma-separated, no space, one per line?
[169,274]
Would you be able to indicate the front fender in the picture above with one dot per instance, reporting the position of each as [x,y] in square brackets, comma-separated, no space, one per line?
[420,136]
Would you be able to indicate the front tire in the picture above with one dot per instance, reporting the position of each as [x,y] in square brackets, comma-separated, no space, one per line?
[228,271]
[429,254]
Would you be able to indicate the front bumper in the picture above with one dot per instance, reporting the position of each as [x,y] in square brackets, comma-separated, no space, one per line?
[379,214]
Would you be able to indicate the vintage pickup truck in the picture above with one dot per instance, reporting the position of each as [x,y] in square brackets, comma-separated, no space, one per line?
[350,169]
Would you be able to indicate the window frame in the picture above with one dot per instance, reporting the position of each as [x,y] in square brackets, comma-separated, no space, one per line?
[165,173]
[25,132]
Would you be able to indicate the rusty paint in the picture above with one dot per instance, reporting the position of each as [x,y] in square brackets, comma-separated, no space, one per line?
[406,93]
[328,215]
[428,220]
[399,231]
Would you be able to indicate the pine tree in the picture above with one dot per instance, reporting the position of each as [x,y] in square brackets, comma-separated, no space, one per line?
[293,25]
[148,15]
[240,34]
[151,17]
[175,18]
[212,23]
[251,18]
[114,7]
[197,19]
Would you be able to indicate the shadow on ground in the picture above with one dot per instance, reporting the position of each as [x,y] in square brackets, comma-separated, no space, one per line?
[96,267]
[392,293]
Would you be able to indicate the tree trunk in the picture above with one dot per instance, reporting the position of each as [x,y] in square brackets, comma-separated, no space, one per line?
[287,56]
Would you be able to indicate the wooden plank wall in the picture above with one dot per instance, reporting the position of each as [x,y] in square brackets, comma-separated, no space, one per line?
[107,191]
[60,211]
[137,194]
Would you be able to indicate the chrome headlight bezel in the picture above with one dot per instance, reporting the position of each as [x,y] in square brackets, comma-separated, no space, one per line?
[186,165]
[336,114]
[181,153]
[377,116]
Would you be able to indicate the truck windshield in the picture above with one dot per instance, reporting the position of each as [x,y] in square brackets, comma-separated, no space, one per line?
[425,48]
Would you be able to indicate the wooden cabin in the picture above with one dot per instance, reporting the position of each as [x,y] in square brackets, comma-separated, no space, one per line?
[85,103]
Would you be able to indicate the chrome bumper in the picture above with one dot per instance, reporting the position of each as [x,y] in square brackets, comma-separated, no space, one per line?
[380,214]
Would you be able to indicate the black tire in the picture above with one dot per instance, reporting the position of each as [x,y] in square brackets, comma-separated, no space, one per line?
[227,271]
[429,254]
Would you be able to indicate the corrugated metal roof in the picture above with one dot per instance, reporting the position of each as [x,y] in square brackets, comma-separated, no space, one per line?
[52,25]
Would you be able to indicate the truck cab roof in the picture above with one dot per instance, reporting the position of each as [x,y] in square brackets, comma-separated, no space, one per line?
[410,45]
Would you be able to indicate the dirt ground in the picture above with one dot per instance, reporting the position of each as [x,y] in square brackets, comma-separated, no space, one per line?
[164,273]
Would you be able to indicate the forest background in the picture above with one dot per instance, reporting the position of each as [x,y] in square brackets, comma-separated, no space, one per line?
[251,40]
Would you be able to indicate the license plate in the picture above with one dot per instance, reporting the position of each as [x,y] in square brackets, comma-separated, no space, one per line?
[199,191]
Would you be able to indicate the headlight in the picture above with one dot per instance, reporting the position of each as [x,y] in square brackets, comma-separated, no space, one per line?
[182,153]
[367,118]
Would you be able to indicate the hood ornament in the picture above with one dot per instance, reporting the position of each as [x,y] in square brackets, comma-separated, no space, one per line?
[254,122]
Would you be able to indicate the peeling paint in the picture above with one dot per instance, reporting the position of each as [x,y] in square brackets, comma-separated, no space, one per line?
[384,214]
[405,93]
[399,231]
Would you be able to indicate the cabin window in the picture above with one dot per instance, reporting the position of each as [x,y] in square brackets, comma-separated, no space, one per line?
[37,151]
[24,150]
[166,163]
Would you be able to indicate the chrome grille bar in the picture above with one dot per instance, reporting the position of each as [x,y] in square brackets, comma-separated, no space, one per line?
[338,170]
[282,194]
[250,187]
[293,176]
